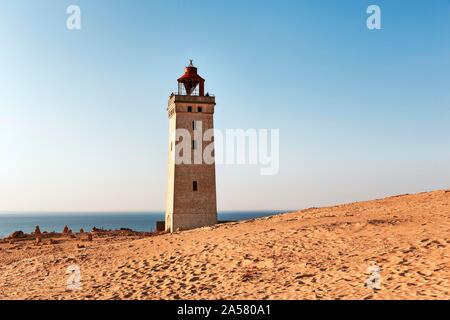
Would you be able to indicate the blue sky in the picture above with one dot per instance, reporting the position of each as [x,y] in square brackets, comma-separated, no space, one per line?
[362,114]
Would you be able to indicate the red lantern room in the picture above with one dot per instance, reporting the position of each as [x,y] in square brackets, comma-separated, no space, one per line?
[191,83]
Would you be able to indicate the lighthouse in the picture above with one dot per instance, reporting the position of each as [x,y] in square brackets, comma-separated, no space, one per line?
[191,187]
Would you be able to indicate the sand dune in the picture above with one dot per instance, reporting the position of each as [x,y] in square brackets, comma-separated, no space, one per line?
[312,254]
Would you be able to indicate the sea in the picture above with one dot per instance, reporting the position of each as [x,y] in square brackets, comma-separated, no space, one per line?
[138,221]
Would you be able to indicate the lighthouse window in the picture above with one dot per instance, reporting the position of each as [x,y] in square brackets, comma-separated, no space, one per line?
[193,144]
[189,109]
[200,109]
[193,125]
[194,186]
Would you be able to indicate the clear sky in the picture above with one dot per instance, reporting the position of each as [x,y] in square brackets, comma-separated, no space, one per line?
[362,114]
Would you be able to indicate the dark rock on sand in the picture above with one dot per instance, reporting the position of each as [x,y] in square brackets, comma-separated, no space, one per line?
[37,231]
[17,235]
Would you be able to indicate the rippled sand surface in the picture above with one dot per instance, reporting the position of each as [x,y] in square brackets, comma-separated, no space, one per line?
[319,253]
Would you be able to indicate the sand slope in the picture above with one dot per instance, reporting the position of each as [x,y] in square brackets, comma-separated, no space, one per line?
[313,254]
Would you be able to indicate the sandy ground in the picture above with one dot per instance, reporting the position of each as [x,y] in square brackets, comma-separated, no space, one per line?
[313,254]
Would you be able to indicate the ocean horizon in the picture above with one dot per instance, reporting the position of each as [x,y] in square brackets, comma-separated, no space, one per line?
[137,221]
